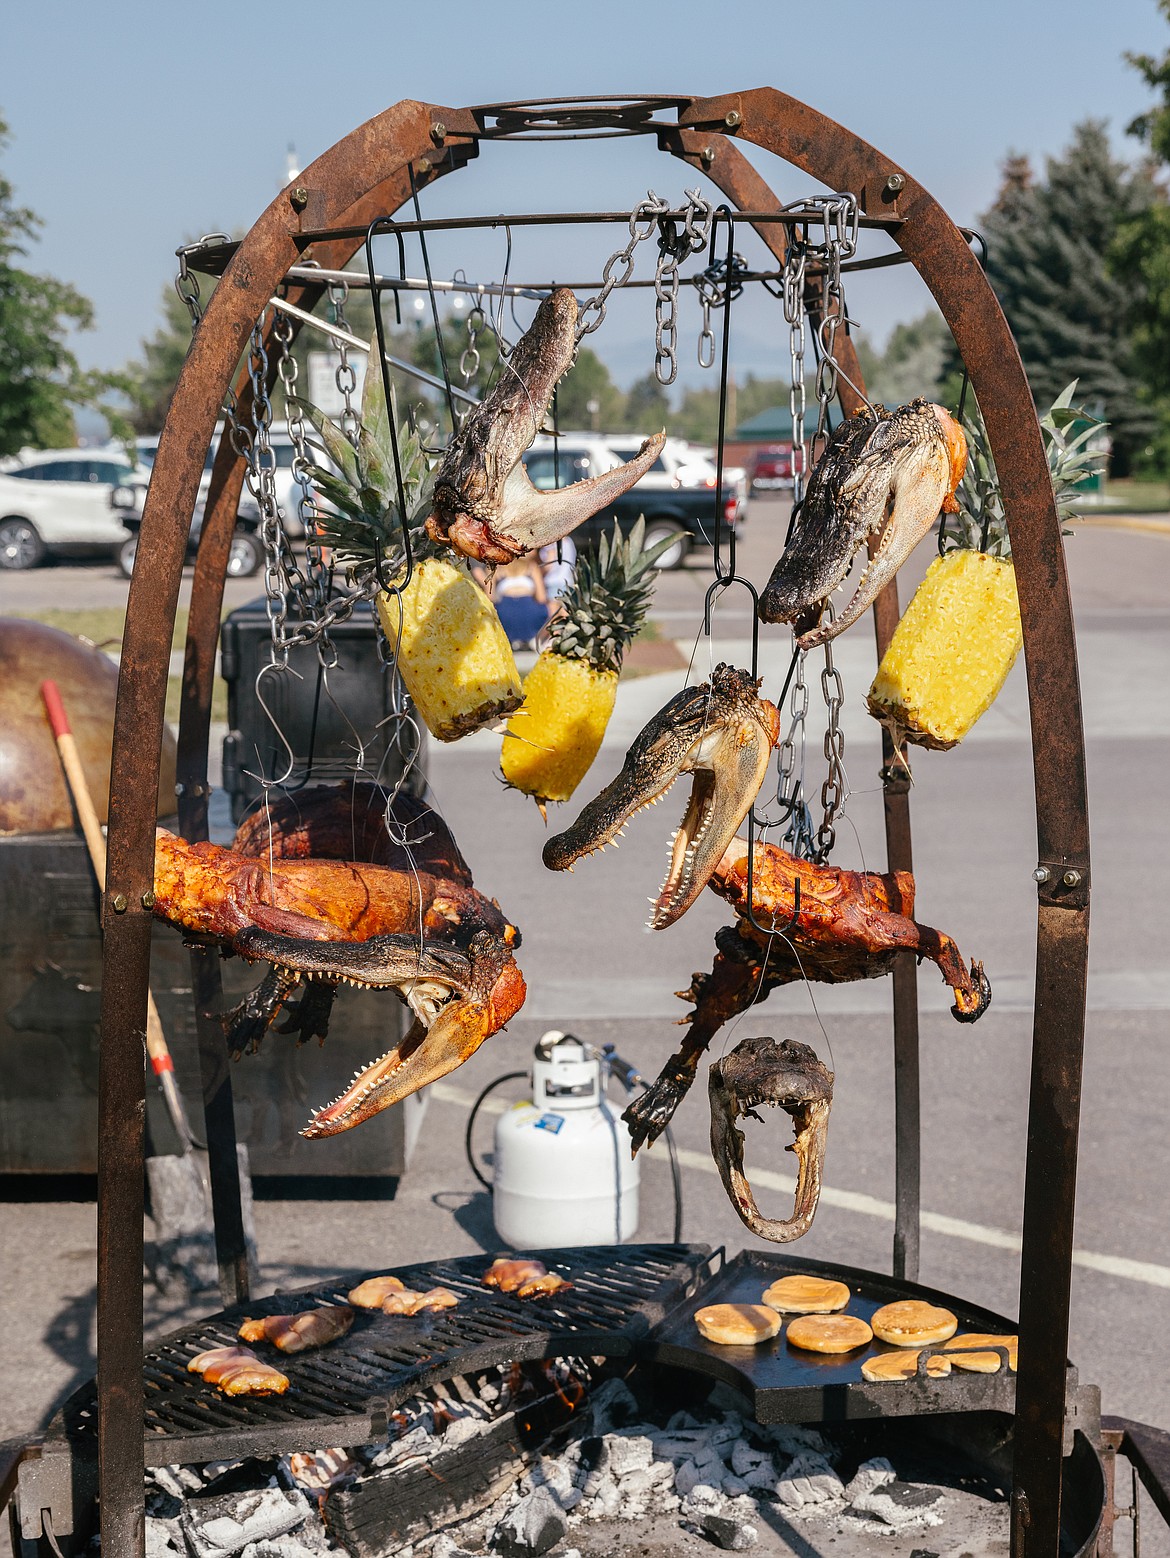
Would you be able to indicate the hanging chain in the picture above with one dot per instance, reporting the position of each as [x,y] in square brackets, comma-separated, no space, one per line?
[470,360]
[673,247]
[282,575]
[841,222]
[643,222]
[187,282]
[835,789]
[794,266]
[716,286]
[346,374]
[798,836]
[319,573]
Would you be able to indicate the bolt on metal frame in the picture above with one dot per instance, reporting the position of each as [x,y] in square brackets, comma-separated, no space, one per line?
[371,172]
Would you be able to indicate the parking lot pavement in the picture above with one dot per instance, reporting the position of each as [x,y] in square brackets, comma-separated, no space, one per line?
[974,852]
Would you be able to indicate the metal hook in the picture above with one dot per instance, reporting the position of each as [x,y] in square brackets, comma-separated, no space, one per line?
[722,584]
[274,784]
[724,210]
[773,929]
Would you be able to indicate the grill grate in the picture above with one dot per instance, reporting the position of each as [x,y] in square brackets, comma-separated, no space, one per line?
[342,1394]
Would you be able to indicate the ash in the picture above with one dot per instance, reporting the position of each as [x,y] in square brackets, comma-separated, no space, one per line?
[621,1478]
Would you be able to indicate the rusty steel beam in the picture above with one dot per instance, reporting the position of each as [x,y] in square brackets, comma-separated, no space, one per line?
[725,165]
[928,237]
[329,188]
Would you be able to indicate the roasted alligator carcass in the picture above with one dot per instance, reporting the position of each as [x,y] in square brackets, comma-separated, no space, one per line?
[760,1073]
[410,921]
[722,733]
[883,473]
[849,925]
[484,504]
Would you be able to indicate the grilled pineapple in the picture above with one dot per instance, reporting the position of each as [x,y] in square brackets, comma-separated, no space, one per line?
[452,652]
[961,633]
[569,693]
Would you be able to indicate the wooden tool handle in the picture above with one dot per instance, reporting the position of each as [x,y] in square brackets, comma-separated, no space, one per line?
[156,1044]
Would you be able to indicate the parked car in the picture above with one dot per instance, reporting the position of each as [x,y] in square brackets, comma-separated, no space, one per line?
[247,551]
[771,467]
[676,495]
[66,502]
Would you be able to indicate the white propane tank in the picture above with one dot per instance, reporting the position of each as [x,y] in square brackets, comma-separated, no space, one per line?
[563,1171]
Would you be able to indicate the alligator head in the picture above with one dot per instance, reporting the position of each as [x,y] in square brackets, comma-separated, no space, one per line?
[789,1076]
[484,504]
[722,733]
[458,998]
[884,474]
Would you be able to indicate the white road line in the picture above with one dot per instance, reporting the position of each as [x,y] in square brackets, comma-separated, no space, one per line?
[870,1206]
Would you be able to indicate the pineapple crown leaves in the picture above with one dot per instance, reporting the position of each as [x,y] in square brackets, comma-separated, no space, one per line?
[362,489]
[606,604]
[1072,443]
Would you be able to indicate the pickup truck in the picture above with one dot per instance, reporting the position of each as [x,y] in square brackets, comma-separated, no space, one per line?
[676,496]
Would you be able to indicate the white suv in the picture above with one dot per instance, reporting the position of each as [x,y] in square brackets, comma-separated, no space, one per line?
[65,501]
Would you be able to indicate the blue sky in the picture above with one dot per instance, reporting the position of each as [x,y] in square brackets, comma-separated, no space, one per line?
[138,125]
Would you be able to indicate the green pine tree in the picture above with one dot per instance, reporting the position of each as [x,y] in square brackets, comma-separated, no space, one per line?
[1073,315]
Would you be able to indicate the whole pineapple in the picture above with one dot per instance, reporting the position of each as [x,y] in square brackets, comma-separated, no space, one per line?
[451,648]
[569,693]
[960,635]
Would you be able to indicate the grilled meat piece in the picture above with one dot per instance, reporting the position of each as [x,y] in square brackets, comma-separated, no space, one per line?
[299,1332]
[525,1278]
[238,1372]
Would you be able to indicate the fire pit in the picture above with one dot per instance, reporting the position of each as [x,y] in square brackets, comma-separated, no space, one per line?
[487,1419]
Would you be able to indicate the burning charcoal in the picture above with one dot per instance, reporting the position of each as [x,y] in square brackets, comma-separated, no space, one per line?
[809,1480]
[628,1452]
[680,1421]
[612,1406]
[733,1486]
[729,1532]
[901,1504]
[178,1480]
[317,1471]
[607,1500]
[227,1525]
[531,1527]
[163,1506]
[163,1540]
[792,1440]
[679,1444]
[868,1477]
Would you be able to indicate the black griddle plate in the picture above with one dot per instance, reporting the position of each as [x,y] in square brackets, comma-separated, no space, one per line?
[787,1385]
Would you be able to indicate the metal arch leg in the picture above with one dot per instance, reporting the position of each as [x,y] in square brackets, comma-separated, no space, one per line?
[840,159]
[351,171]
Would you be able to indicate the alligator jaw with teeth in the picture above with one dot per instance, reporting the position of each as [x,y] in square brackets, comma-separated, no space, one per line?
[484,504]
[413,924]
[883,473]
[722,734]
[788,1076]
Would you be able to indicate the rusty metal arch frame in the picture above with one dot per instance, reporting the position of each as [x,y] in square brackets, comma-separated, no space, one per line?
[366,174]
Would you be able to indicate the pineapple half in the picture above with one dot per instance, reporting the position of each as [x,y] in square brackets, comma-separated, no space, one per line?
[569,693]
[960,635]
[450,646]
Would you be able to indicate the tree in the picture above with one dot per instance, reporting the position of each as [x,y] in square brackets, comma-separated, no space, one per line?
[586,382]
[1073,316]
[40,378]
[1140,257]
[912,364]
[152,378]
[647,406]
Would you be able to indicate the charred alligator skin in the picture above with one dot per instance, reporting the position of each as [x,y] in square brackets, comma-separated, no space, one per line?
[409,920]
[484,504]
[760,1073]
[722,733]
[851,925]
[885,473]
